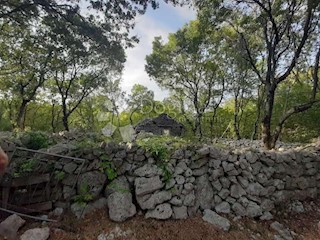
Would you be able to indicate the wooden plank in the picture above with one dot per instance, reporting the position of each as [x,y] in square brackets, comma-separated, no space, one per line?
[31,180]
[29,193]
[33,208]
[5,196]
[39,207]
[28,200]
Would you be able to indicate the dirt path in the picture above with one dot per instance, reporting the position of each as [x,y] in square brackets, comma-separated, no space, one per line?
[305,225]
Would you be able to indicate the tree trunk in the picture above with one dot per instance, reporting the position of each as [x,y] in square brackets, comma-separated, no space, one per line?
[131,115]
[21,114]
[65,118]
[198,129]
[236,118]
[259,107]
[267,137]
[65,121]
[53,118]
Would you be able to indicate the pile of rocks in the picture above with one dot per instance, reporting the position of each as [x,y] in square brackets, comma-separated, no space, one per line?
[9,230]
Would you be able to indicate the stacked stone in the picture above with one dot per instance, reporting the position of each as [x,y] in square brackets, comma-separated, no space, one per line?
[241,182]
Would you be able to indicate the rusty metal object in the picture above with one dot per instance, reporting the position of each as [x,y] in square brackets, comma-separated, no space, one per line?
[31,191]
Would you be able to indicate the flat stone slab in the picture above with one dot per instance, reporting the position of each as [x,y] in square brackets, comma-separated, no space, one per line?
[215,219]
[147,185]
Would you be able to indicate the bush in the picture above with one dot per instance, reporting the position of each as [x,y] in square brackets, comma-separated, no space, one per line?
[35,140]
[161,146]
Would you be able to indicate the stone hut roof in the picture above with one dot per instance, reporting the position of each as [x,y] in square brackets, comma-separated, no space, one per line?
[160,123]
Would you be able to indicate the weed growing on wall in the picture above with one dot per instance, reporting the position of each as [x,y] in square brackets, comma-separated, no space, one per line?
[84,196]
[26,167]
[161,147]
[107,168]
[59,175]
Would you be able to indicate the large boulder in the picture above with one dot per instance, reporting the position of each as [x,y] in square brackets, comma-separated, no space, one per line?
[120,200]
[204,192]
[91,183]
[10,226]
[120,184]
[80,209]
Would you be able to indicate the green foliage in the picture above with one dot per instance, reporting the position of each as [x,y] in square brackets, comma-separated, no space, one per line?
[25,167]
[84,196]
[161,146]
[167,174]
[59,175]
[156,146]
[117,188]
[107,168]
[35,140]
[86,144]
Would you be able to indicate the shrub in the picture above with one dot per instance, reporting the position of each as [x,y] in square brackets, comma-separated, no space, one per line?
[35,140]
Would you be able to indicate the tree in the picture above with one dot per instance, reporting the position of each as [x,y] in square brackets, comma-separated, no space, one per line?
[186,66]
[25,60]
[102,21]
[77,76]
[139,97]
[289,30]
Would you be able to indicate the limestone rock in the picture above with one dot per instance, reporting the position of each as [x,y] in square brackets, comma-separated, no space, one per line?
[253,210]
[10,226]
[254,189]
[238,209]
[36,234]
[215,219]
[281,230]
[120,184]
[297,207]
[198,163]
[200,171]
[92,182]
[176,201]
[189,200]
[204,151]
[120,206]
[180,179]
[162,212]
[147,170]
[223,207]
[80,210]
[70,167]
[204,192]
[180,212]
[237,191]
[266,216]
[147,185]
[154,199]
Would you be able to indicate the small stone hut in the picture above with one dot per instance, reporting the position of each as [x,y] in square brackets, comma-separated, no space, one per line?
[161,125]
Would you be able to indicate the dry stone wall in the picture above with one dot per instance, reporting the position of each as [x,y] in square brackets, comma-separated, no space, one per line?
[193,179]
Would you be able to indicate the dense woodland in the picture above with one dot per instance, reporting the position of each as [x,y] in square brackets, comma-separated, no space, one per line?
[242,69]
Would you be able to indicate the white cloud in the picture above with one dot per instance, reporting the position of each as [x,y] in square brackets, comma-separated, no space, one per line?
[146,29]
[186,13]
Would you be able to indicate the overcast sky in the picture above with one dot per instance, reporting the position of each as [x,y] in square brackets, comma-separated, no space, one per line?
[160,22]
